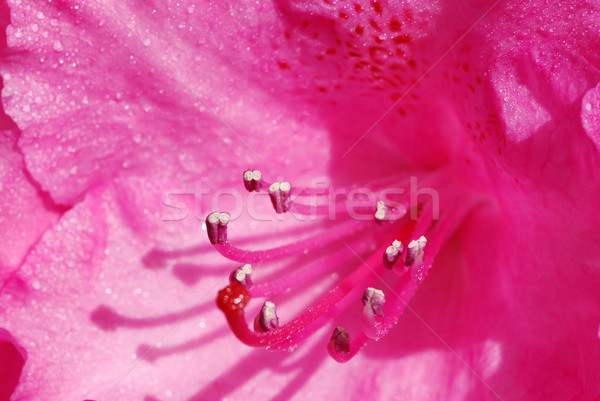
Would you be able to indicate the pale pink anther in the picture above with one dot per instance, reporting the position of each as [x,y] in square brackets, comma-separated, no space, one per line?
[392,254]
[216,227]
[279,192]
[267,319]
[373,300]
[242,275]
[385,213]
[253,180]
[415,251]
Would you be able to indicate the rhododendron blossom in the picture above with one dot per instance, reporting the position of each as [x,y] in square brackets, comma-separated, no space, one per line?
[386,200]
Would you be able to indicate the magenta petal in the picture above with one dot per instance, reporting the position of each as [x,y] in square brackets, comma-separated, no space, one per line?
[13,357]
[590,115]
[534,85]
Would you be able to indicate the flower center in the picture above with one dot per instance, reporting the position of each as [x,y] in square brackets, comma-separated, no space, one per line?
[390,246]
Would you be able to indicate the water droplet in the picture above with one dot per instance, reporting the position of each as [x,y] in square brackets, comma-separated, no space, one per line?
[418,274]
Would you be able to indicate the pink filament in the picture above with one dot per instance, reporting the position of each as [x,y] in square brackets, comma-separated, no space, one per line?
[331,235]
[301,276]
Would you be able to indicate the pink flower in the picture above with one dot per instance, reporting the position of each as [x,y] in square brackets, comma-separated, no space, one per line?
[121,112]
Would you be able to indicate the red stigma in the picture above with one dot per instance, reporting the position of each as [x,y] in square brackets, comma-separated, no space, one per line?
[233,298]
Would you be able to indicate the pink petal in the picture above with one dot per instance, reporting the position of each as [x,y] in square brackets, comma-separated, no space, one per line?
[107,314]
[26,211]
[518,305]
[77,121]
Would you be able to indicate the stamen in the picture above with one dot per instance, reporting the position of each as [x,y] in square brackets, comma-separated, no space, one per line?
[385,213]
[280,195]
[373,300]
[378,314]
[392,254]
[415,251]
[406,287]
[242,275]
[267,319]
[253,180]
[339,342]
[382,211]
[216,227]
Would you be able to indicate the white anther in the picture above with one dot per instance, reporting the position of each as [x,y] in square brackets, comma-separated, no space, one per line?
[279,192]
[392,253]
[415,251]
[267,319]
[216,227]
[285,186]
[269,311]
[242,275]
[213,218]
[224,218]
[247,269]
[381,212]
[373,299]
[242,272]
[253,180]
